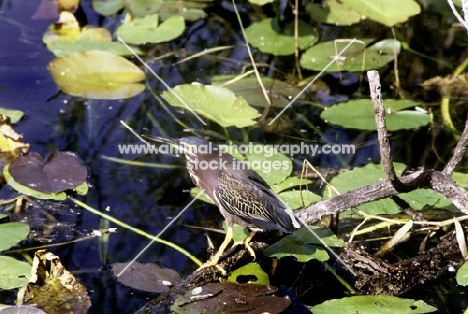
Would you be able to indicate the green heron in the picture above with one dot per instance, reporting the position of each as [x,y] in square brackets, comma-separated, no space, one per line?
[242,196]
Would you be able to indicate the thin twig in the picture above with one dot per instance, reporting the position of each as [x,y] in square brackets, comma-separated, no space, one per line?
[458,152]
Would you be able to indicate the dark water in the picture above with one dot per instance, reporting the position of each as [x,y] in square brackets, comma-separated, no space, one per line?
[145,198]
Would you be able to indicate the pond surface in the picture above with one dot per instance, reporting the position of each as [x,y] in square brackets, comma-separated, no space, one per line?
[148,198]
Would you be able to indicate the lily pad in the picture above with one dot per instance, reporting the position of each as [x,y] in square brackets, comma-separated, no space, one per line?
[280,92]
[251,270]
[299,199]
[359,114]
[13,273]
[288,183]
[61,171]
[357,57]
[387,12]
[137,8]
[14,115]
[361,176]
[147,29]
[213,102]
[303,252]
[268,37]
[462,275]
[97,75]
[371,304]
[11,233]
[333,12]
[146,277]
[230,298]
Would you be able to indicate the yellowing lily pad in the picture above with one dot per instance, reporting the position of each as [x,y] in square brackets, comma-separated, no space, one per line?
[97,75]
[147,29]
[359,114]
[216,103]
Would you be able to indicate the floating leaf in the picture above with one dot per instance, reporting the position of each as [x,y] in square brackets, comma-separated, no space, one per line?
[387,12]
[362,176]
[63,48]
[230,298]
[147,29]
[14,115]
[61,171]
[97,75]
[462,275]
[50,280]
[13,273]
[146,277]
[269,38]
[251,270]
[299,199]
[359,114]
[280,92]
[215,103]
[11,233]
[303,252]
[357,57]
[137,8]
[333,12]
[288,183]
[371,304]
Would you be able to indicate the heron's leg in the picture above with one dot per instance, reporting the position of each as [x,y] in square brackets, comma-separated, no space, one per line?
[214,260]
[247,245]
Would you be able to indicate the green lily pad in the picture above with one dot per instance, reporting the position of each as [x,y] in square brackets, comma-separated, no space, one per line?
[280,92]
[63,48]
[359,114]
[462,275]
[357,57]
[333,12]
[11,233]
[147,29]
[215,103]
[14,115]
[303,252]
[97,75]
[387,12]
[13,273]
[250,270]
[299,199]
[371,304]
[269,38]
[289,183]
[362,176]
[137,8]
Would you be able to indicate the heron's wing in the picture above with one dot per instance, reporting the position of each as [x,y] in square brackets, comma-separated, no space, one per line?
[249,198]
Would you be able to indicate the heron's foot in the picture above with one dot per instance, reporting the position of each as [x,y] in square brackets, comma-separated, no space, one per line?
[251,251]
[213,262]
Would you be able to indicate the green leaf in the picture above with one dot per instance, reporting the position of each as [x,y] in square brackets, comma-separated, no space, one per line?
[14,115]
[147,29]
[13,273]
[288,183]
[251,270]
[11,233]
[362,176]
[387,12]
[304,235]
[97,75]
[357,57]
[295,199]
[333,12]
[371,304]
[63,48]
[280,92]
[303,252]
[215,103]
[359,114]
[137,8]
[269,38]
[462,275]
